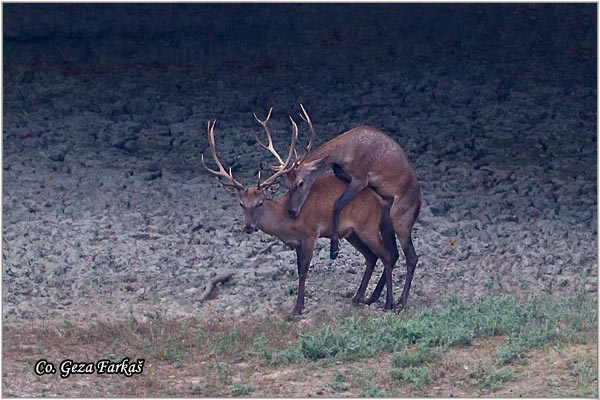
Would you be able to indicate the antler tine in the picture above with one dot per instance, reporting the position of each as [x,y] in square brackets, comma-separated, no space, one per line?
[266,119]
[273,167]
[221,172]
[285,167]
[268,147]
[306,119]
[293,145]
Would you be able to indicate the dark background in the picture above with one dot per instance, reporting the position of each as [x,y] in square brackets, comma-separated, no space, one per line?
[250,33]
[325,56]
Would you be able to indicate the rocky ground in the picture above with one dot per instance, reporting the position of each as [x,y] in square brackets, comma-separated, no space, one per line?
[108,213]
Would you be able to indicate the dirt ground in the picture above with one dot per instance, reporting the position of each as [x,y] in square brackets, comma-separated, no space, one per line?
[108,213]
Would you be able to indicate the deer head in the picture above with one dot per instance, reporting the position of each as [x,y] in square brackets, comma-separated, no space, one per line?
[301,175]
[251,198]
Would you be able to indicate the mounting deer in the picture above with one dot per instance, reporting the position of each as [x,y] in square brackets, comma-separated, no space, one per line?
[365,157]
[363,222]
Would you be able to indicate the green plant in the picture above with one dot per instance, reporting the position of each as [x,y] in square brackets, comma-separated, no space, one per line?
[198,390]
[282,356]
[241,390]
[340,383]
[414,358]
[508,353]
[373,391]
[530,324]
[416,376]
[583,371]
[488,377]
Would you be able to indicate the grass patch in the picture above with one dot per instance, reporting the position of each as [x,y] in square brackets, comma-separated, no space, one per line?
[528,325]
[373,391]
[240,390]
[340,382]
[406,358]
[417,376]
[489,377]
[582,370]
[480,347]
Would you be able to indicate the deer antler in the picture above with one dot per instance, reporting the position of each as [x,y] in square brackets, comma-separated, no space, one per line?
[269,147]
[306,119]
[221,172]
[285,167]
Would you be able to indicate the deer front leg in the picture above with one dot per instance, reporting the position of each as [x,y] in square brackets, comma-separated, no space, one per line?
[304,254]
[352,190]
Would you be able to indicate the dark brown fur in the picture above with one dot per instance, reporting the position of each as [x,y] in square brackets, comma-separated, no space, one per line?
[365,157]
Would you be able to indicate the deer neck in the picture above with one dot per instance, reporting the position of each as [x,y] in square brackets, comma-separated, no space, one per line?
[328,151]
[273,220]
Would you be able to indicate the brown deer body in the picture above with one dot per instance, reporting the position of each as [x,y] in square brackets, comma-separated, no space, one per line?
[359,224]
[364,223]
[366,157]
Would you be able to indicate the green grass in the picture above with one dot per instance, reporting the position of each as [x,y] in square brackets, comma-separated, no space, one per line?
[405,358]
[374,391]
[424,352]
[240,390]
[340,382]
[528,324]
[417,376]
[510,352]
[489,377]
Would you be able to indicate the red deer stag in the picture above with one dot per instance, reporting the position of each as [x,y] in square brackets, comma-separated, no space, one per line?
[365,157]
[360,222]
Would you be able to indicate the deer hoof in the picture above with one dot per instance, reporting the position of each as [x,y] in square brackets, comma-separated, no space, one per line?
[291,317]
[295,314]
[357,301]
[399,308]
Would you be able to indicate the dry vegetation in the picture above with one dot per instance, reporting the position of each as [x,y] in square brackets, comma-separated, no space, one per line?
[493,353]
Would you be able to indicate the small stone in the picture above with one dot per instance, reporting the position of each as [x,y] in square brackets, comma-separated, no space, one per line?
[591,287]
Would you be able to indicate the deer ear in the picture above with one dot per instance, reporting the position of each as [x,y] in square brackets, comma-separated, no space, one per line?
[271,190]
[316,165]
[232,190]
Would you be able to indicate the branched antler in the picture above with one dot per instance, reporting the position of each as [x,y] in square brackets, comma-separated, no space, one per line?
[306,119]
[221,172]
[284,166]
[269,146]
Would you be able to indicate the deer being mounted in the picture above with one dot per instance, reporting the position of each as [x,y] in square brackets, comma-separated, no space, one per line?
[366,157]
[363,222]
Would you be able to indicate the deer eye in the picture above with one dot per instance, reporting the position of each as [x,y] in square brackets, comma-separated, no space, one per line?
[241,204]
[300,183]
[261,203]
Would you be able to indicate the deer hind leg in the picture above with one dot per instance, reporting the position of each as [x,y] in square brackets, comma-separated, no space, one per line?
[383,250]
[403,217]
[389,240]
[371,260]
[304,255]
[354,187]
